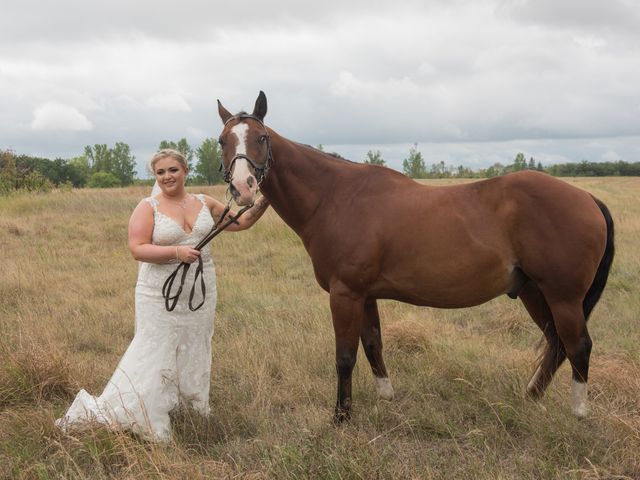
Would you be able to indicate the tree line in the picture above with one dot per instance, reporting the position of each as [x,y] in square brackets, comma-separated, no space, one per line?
[415,166]
[103,166]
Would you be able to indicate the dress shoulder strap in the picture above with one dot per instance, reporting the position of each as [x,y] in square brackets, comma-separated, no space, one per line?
[153,202]
[200,196]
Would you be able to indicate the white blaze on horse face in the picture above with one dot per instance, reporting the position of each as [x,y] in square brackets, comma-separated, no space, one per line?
[243,180]
[579,399]
[240,131]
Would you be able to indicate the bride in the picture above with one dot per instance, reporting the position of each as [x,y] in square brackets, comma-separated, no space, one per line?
[169,358]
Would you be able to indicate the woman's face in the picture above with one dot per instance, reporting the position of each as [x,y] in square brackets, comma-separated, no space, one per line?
[170,175]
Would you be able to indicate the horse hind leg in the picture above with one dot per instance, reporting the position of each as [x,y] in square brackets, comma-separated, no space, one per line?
[554,353]
[569,319]
[372,343]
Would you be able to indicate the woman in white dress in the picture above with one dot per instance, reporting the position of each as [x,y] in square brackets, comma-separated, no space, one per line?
[169,358]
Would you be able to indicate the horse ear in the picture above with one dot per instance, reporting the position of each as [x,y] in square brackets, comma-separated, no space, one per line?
[260,109]
[223,112]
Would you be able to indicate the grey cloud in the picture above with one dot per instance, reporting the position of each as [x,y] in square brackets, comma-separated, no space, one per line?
[589,15]
[337,73]
[73,20]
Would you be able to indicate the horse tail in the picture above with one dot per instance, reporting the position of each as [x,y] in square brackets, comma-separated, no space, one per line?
[602,274]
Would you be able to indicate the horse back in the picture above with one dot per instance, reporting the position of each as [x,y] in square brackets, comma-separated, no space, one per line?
[457,245]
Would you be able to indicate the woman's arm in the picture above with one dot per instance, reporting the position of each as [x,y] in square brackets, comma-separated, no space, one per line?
[140,231]
[250,217]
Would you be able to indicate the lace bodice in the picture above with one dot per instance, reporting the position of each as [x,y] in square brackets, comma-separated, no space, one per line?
[167,232]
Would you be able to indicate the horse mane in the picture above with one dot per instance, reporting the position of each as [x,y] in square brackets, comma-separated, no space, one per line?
[335,155]
[331,154]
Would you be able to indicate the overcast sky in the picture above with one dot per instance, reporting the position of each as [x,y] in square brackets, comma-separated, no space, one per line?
[472,82]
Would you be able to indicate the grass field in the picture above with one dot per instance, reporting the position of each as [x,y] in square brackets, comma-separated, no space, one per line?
[66,316]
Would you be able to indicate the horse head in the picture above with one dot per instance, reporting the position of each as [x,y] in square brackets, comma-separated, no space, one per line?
[246,150]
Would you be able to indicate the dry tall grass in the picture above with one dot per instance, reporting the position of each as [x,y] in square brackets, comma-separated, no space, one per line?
[66,317]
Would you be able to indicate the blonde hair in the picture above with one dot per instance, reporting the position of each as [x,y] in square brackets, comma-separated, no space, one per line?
[168,152]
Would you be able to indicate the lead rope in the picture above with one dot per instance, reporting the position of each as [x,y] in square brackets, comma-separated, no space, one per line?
[170,302]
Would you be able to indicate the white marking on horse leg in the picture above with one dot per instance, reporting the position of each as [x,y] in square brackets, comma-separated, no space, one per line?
[384,388]
[534,380]
[579,399]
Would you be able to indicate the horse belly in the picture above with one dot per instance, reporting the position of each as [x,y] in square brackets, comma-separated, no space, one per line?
[450,282]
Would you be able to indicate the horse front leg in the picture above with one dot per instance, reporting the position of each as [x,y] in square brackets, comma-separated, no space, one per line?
[347,311]
[372,343]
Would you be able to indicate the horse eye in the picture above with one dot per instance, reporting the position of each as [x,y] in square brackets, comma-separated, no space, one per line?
[221,142]
[262,139]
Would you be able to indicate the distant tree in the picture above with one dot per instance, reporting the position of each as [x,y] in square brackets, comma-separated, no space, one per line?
[532,164]
[56,171]
[494,170]
[52,170]
[186,150]
[594,169]
[520,162]
[26,173]
[209,160]
[79,171]
[34,181]
[183,147]
[7,163]
[117,161]
[464,172]
[627,169]
[539,167]
[8,171]
[320,147]
[374,158]
[123,163]
[439,170]
[100,158]
[552,170]
[414,166]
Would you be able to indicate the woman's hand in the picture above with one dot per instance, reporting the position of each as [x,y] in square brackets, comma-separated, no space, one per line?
[245,221]
[252,215]
[187,254]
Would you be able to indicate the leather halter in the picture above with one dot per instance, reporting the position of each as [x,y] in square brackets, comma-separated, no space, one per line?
[260,170]
[171,301]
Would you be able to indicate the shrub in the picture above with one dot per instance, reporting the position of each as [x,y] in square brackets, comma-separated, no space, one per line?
[35,182]
[103,180]
[66,186]
[6,185]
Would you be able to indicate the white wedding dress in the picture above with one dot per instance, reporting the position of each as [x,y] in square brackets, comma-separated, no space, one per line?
[169,358]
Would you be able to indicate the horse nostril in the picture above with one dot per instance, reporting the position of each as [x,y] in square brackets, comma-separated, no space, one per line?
[250,181]
[234,191]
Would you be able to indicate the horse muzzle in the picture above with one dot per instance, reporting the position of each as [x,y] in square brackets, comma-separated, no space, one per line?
[244,191]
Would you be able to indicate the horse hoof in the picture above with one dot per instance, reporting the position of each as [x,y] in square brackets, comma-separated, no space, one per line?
[533,390]
[384,388]
[579,403]
[534,393]
[341,416]
[580,411]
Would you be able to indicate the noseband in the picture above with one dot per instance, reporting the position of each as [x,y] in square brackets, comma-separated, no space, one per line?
[260,170]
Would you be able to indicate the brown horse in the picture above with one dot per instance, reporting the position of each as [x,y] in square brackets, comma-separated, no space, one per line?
[374,233]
